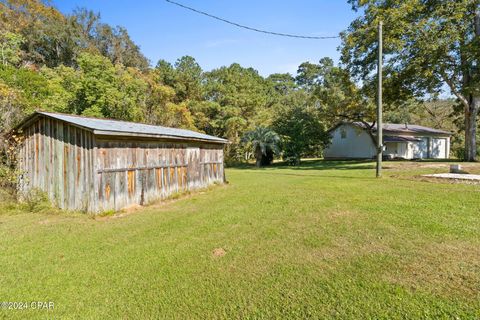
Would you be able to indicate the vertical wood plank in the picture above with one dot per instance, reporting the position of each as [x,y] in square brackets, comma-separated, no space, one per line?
[72,169]
[86,172]
[51,143]
[66,164]
[109,193]
[80,179]
[92,174]
[36,155]
[40,156]
[46,156]
[59,153]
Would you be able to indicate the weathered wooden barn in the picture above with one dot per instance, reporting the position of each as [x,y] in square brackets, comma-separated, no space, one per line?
[96,165]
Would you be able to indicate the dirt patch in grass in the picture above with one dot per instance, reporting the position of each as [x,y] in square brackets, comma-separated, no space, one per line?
[44,222]
[413,171]
[218,252]
[393,165]
[132,208]
[470,167]
[442,268]
[341,213]
[441,180]
[343,248]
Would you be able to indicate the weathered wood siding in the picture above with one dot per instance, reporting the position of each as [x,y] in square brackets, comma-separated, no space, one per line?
[58,158]
[81,171]
[138,172]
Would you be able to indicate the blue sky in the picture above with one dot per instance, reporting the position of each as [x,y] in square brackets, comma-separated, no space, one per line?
[165,31]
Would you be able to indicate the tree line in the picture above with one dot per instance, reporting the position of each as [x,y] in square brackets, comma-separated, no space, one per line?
[74,63]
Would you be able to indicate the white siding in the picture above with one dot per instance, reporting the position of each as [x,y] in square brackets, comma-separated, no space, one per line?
[356,143]
[420,148]
[430,147]
[438,148]
[350,141]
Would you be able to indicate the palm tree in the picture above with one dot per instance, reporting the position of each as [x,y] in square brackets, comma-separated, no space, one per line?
[265,144]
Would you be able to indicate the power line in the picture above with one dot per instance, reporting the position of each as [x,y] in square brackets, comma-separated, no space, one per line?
[250,28]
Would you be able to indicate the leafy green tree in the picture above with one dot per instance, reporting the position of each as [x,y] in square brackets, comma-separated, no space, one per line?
[243,102]
[109,91]
[132,89]
[264,143]
[86,21]
[29,84]
[165,73]
[116,44]
[178,116]
[282,83]
[205,116]
[338,97]
[62,85]
[52,38]
[12,106]
[98,92]
[303,132]
[157,97]
[10,43]
[48,38]
[189,76]
[428,45]
[307,75]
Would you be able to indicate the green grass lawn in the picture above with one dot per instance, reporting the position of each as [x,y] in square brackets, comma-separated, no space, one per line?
[324,240]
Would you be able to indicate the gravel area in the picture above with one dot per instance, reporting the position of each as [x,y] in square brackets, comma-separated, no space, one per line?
[460,176]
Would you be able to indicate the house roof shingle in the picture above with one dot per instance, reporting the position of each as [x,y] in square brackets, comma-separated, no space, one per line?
[400,139]
[405,129]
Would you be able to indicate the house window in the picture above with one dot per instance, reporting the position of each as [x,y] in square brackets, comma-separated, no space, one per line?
[343,133]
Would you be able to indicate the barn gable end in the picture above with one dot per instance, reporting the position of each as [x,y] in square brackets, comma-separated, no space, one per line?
[82,168]
[57,157]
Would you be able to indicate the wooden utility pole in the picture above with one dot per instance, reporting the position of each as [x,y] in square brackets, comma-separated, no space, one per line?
[379,104]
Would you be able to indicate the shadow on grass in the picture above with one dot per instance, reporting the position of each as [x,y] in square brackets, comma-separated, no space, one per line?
[315,164]
[438,160]
[317,176]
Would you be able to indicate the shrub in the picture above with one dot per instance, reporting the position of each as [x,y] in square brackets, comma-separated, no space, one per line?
[35,200]
[264,144]
[303,132]
[8,178]
[292,160]
[9,171]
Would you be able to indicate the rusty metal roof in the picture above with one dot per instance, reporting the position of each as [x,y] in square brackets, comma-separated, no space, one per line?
[124,128]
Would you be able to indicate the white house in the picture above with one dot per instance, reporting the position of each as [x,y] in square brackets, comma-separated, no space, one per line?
[405,141]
